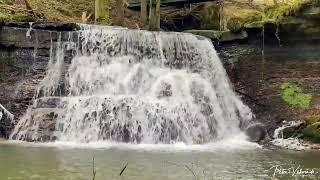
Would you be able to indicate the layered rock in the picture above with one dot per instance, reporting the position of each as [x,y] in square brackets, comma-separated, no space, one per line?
[6,122]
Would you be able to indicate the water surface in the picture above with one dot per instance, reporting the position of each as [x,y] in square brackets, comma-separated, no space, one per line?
[217,161]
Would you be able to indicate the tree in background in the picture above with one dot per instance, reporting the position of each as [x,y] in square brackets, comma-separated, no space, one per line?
[154,15]
[101,11]
[143,11]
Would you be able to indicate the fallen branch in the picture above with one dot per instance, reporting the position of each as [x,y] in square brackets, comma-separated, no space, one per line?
[124,168]
[93,170]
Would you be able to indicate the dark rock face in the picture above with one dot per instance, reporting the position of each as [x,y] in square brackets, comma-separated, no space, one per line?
[6,122]
[24,55]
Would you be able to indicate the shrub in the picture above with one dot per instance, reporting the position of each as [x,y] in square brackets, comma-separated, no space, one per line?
[293,95]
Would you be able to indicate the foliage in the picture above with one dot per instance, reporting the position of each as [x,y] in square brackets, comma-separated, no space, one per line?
[293,95]
[279,11]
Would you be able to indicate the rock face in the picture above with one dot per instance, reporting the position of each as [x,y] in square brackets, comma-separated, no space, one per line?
[41,126]
[24,55]
[6,122]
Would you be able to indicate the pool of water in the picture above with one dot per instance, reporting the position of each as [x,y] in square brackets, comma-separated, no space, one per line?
[228,160]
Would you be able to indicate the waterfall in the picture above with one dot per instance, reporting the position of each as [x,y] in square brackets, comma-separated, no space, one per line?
[115,84]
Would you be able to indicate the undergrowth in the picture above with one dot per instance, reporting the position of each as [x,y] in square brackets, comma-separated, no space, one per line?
[293,95]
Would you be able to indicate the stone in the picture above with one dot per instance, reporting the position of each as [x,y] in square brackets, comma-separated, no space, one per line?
[221,36]
[228,36]
[312,132]
[256,132]
[6,122]
[211,34]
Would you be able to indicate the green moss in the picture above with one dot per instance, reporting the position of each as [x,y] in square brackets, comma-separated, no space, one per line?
[278,12]
[293,95]
[19,17]
[236,24]
[312,119]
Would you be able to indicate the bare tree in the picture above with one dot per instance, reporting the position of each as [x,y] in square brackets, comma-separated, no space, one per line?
[101,11]
[143,11]
[154,15]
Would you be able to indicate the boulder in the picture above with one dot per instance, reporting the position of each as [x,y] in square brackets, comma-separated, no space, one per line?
[256,132]
[221,36]
[312,132]
[211,34]
[6,122]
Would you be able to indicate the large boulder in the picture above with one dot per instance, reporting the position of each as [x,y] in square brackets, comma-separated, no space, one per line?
[6,122]
[256,132]
[312,132]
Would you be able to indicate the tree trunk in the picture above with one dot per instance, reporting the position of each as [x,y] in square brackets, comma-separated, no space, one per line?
[143,11]
[154,15]
[101,11]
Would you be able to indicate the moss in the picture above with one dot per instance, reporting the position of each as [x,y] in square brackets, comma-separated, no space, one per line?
[293,95]
[312,132]
[19,17]
[236,24]
[313,30]
[278,12]
[312,119]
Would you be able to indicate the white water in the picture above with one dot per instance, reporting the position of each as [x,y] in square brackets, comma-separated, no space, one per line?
[140,87]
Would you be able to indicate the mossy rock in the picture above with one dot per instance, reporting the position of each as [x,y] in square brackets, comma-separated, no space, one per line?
[254,25]
[312,132]
[211,34]
[230,36]
[312,119]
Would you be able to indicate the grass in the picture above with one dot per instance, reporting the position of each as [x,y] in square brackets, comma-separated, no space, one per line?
[45,10]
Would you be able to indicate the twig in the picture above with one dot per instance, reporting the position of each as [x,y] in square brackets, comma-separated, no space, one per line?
[93,170]
[186,166]
[124,168]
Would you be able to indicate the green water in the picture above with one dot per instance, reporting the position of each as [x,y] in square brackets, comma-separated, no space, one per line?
[27,161]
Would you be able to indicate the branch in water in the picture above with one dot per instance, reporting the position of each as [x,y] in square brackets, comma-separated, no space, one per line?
[124,168]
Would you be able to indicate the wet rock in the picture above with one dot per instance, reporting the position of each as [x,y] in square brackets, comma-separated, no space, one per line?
[38,125]
[312,132]
[53,26]
[256,132]
[51,102]
[211,34]
[221,36]
[6,122]
[293,130]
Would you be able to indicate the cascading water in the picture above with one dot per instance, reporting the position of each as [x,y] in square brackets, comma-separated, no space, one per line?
[136,86]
